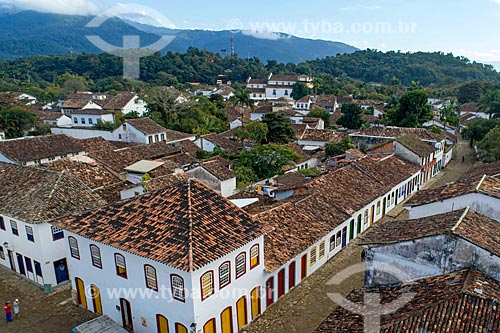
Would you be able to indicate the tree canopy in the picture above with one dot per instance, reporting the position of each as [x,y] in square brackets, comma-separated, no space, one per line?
[16,121]
[280,128]
[351,116]
[412,110]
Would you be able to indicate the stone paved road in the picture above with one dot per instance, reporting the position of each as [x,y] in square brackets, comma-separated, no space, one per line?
[306,306]
[40,313]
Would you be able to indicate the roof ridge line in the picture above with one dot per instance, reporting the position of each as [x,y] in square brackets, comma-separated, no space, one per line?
[460,220]
[480,183]
[190,237]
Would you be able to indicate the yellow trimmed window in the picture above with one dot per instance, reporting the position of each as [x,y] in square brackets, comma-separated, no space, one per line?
[313,256]
[207,285]
[254,256]
[322,249]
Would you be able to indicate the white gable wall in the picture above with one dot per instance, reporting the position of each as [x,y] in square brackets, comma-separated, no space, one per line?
[482,203]
[44,249]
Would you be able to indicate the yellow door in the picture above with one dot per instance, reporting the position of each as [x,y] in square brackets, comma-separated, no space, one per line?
[209,327]
[241,310]
[96,299]
[80,289]
[255,299]
[226,319]
[179,328]
[161,324]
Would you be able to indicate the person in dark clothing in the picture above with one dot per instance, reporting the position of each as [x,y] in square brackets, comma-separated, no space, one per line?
[363,255]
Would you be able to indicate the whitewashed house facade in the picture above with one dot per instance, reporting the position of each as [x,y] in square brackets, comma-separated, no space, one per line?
[29,245]
[191,277]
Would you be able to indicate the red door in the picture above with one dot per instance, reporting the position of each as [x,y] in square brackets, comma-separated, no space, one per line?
[303,267]
[291,275]
[269,291]
[281,283]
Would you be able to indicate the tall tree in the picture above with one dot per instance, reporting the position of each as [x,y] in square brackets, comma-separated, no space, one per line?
[490,103]
[412,111]
[280,128]
[16,121]
[300,90]
[242,98]
[351,116]
[318,112]
[490,146]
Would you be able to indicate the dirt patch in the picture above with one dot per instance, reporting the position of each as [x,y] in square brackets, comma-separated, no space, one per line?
[40,313]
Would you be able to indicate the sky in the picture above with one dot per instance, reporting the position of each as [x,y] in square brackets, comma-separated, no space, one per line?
[469,28]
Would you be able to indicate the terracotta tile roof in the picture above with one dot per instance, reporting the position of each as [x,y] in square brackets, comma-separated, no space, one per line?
[34,195]
[465,223]
[291,78]
[470,107]
[96,144]
[332,199]
[223,142]
[178,136]
[345,99]
[40,147]
[266,108]
[118,160]
[219,167]
[75,103]
[165,181]
[299,129]
[486,185]
[394,132]
[120,100]
[93,176]
[481,169]
[166,225]
[234,113]
[47,115]
[296,227]
[112,193]
[94,112]
[465,301]
[257,81]
[317,135]
[146,125]
[188,146]
[417,146]
[467,118]
[181,160]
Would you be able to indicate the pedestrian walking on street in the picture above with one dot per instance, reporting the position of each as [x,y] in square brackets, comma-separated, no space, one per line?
[363,255]
[8,312]
[16,308]
[463,159]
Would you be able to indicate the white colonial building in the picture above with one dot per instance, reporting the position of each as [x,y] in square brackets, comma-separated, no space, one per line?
[91,117]
[30,197]
[193,259]
[276,86]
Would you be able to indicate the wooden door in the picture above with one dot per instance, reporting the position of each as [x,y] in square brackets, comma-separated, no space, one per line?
[226,321]
[80,291]
[209,326]
[161,324]
[179,328]
[291,275]
[96,299]
[126,310]
[281,283]
[255,299]
[303,267]
[241,312]
[269,292]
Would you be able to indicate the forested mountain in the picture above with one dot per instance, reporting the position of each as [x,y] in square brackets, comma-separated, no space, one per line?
[427,68]
[30,33]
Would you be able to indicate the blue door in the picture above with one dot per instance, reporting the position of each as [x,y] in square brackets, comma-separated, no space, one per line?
[20,263]
[61,270]
[344,237]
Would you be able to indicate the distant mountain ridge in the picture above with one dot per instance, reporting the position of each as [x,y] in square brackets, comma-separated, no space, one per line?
[30,33]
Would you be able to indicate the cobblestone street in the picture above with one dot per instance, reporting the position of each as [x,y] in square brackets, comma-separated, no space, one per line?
[306,306]
[40,313]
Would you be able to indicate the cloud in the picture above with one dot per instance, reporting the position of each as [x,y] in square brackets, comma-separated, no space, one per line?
[71,7]
[495,1]
[263,35]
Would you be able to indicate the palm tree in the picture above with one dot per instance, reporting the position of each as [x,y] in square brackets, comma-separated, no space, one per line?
[490,103]
[242,98]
